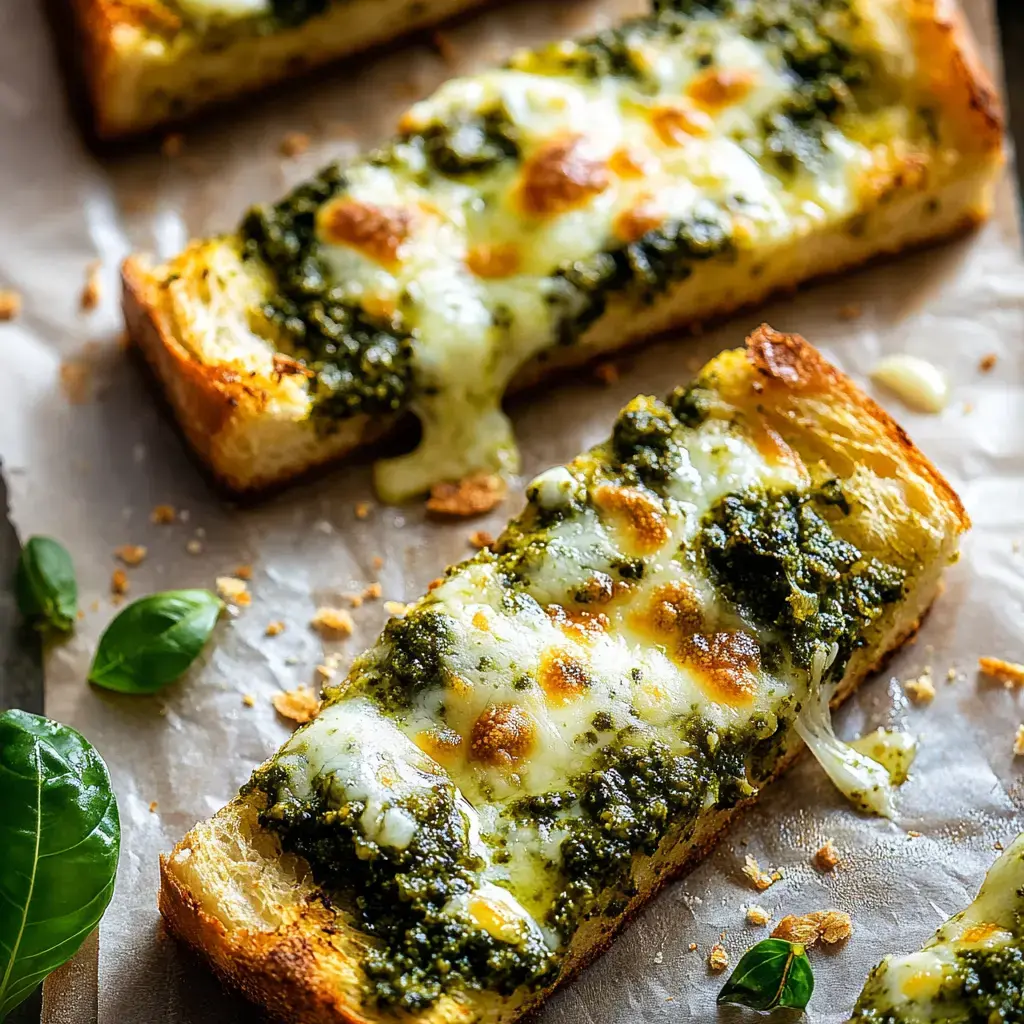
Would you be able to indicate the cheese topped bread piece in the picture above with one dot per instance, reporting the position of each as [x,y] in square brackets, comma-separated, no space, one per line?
[971,971]
[148,62]
[573,715]
[584,196]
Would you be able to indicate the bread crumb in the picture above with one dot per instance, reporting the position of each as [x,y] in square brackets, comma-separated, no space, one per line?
[248,700]
[922,689]
[363,509]
[718,958]
[294,144]
[692,947]
[300,705]
[243,572]
[851,311]
[396,608]
[152,806]
[827,857]
[1009,673]
[92,289]
[274,628]
[1018,742]
[471,496]
[172,145]
[131,554]
[659,957]
[761,879]
[481,539]
[325,673]
[194,547]
[911,834]
[830,926]
[378,562]
[332,623]
[75,381]
[757,915]
[10,304]
[162,515]
[119,584]
[987,362]
[372,592]
[607,373]
[234,590]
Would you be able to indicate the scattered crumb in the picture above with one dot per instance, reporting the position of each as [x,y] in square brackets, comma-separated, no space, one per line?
[469,497]
[333,623]
[1018,742]
[92,289]
[718,958]
[172,145]
[987,362]
[951,674]
[378,562]
[355,600]
[761,879]
[162,515]
[1009,673]
[911,834]
[693,947]
[851,311]
[248,700]
[396,607]
[152,806]
[194,547]
[659,957]
[757,915]
[325,673]
[274,628]
[372,592]
[243,572]
[131,554]
[233,590]
[481,539]
[10,304]
[827,857]
[294,144]
[607,373]
[922,689]
[830,926]
[445,47]
[300,704]
[119,583]
[75,381]
[363,509]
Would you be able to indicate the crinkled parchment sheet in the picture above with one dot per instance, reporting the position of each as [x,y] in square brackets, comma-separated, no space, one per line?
[89,451]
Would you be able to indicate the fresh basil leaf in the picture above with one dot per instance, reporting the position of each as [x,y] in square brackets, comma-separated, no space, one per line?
[154,640]
[59,841]
[45,584]
[772,973]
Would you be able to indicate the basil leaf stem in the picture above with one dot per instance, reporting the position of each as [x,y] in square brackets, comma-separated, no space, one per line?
[45,584]
[772,973]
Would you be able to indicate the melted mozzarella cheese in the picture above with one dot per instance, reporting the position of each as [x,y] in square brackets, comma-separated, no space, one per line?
[210,9]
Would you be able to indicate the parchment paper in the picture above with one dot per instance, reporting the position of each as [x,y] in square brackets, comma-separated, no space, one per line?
[89,450]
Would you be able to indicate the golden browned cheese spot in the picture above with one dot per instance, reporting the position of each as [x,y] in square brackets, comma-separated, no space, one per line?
[581,625]
[480,621]
[631,225]
[494,261]
[628,163]
[725,664]
[719,87]
[676,125]
[562,675]
[441,743]
[674,611]
[979,932]
[601,588]
[376,231]
[640,515]
[561,176]
[502,735]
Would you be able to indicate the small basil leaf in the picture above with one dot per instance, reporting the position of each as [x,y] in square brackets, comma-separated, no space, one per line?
[59,841]
[772,973]
[154,640]
[45,584]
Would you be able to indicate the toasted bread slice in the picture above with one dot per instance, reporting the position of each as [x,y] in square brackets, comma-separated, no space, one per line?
[151,62]
[571,718]
[587,196]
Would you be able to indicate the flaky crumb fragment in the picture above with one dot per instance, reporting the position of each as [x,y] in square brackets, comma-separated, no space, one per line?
[294,144]
[761,879]
[378,562]
[922,689]
[757,915]
[233,590]
[363,509]
[152,806]
[194,547]
[162,515]
[10,304]
[248,700]
[469,497]
[398,608]
[243,572]
[333,623]
[300,705]
[987,362]
[830,926]
[480,539]
[692,947]
[1009,673]
[827,857]
[373,592]
[1018,742]
[119,584]
[76,381]
[131,554]
[274,628]
[718,957]
[92,289]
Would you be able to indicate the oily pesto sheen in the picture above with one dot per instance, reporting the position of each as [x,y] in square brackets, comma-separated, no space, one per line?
[489,230]
[589,688]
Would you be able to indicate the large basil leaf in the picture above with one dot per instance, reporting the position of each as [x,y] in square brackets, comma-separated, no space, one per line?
[772,973]
[45,584]
[154,640]
[59,841]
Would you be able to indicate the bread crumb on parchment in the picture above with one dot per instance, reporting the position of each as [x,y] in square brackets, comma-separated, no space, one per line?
[194,547]
[274,628]
[471,496]
[333,623]
[248,700]
[718,957]
[987,362]
[830,926]
[398,608]
[1018,742]
[922,689]
[131,554]
[153,806]
[234,591]
[92,290]
[761,879]
[119,585]
[373,592]
[480,539]
[299,705]
[294,144]
[162,515]
[757,915]
[827,857]
[363,509]
[1009,673]
[10,304]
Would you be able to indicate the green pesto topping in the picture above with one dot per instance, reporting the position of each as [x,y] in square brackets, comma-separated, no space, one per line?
[414,651]
[644,444]
[362,364]
[777,558]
